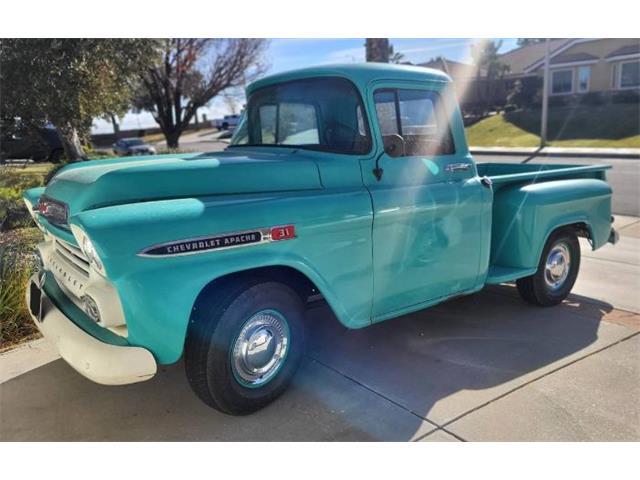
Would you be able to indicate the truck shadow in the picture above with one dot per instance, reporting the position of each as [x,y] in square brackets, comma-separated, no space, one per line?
[398,380]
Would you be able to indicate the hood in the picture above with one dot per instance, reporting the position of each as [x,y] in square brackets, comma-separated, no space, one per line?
[100,183]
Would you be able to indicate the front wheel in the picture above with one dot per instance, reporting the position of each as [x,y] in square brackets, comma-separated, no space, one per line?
[557,271]
[244,345]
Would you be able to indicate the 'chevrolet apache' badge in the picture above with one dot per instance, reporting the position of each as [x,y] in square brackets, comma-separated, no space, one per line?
[218,242]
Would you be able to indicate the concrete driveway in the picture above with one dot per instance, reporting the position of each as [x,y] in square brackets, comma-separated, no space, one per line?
[484,367]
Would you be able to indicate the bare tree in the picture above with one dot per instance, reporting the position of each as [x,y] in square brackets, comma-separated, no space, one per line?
[191,73]
[231,101]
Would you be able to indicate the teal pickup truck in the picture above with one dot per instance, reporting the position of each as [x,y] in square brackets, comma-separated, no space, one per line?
[353,182]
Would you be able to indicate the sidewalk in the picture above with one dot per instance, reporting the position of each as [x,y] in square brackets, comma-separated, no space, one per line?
[630,153]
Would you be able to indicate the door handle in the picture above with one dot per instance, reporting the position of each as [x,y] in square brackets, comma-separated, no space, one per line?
[457,167]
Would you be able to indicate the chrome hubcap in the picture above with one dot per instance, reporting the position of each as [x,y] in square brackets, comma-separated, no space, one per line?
[260,348]
[557,266]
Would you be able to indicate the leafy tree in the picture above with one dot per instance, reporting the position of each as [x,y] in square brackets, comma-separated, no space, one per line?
[190,73]
[69,82]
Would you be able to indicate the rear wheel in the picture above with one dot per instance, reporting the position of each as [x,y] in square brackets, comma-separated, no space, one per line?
[557,271]
[244,345]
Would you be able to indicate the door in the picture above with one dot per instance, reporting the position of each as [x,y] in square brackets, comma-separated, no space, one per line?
[428,203]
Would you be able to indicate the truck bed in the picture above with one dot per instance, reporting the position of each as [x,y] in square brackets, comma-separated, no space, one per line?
[507,173]
[530,200]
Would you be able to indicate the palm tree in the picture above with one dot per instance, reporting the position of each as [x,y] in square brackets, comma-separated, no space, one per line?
[487,60]
[377,50]
[395,57]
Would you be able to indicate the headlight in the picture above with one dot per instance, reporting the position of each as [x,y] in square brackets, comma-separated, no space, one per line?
[90,252]
[88,249]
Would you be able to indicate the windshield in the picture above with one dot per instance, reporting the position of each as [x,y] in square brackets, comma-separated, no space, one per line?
[317,114]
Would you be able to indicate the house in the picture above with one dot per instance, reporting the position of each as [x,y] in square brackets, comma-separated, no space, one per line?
[469,83]
[577,66]
[604,67]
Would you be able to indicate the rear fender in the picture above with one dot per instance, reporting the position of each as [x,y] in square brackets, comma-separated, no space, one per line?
[525,216]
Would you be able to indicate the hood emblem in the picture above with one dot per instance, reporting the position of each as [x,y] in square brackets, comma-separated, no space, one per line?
[189,246]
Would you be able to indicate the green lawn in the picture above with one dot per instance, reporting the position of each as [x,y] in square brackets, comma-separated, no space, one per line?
[612,126]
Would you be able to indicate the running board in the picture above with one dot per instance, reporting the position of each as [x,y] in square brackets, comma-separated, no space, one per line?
[497,274]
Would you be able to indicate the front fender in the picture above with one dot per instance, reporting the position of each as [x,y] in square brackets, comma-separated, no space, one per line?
[332,248]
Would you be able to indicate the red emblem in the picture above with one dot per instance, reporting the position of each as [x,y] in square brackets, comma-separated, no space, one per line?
[284,232]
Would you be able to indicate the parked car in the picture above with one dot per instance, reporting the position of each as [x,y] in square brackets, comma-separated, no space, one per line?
[40,145]
[353,182]
[132,146]
[228,122]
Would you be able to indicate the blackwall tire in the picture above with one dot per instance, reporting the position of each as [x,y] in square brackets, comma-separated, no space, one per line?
[244,345]
[557,271]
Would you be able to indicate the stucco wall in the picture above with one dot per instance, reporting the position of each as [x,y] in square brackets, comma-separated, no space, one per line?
[601,71]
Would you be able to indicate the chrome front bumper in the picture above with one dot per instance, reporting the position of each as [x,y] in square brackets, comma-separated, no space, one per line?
[98,361]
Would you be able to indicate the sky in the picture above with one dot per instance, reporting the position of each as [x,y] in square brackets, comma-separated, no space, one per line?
[291,53]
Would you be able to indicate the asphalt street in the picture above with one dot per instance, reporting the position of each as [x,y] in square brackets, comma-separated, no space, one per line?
[624,177]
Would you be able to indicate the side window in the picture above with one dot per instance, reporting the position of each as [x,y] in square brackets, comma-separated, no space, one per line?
[362,131]
[297,124]
[386,112]
[416,119]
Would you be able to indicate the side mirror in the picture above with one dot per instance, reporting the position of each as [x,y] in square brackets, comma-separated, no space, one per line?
[393,145]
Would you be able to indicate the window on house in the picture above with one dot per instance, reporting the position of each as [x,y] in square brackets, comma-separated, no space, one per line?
[562,81]
[630,75]
[417,117]
[583,79]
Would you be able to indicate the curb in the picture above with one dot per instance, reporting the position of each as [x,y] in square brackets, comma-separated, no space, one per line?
[623,153]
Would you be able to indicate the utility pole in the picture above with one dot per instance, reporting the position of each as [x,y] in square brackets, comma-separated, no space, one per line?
[545,96]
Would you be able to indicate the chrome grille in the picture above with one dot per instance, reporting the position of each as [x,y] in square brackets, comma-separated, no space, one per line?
[69,266]
[73,255]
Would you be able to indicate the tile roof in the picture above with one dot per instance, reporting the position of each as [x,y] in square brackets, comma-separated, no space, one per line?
[626,50]
[452,68]
[572,57]
[521,58]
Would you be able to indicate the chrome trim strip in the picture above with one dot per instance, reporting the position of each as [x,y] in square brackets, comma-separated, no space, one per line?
[265,237]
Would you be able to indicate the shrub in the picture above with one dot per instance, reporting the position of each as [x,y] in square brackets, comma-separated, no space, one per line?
[592,98]
[13,182]
[16,264]
[629,96]
[560,101]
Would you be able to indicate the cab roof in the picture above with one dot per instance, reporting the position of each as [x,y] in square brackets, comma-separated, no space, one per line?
[360,74]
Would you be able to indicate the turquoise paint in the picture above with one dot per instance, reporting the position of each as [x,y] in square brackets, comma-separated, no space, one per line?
[375,250]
